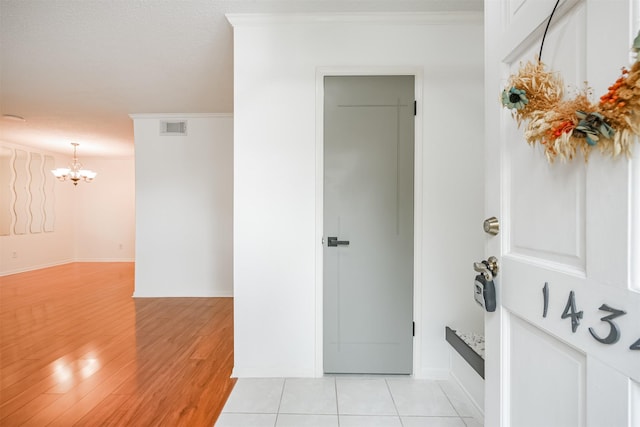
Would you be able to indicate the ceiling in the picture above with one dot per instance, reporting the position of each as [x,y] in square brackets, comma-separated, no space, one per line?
[75,70]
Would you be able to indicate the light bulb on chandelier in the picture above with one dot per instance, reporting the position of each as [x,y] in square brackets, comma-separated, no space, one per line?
[74,172]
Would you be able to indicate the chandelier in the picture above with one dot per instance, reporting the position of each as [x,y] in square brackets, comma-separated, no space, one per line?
[74,172]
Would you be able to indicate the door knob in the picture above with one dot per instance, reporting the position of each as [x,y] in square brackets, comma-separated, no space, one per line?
[333,241]
[488,268]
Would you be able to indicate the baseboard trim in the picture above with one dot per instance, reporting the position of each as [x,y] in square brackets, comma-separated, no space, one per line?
[271,373]
[61,262]
[35,267]
[478,411]
[432,374]
[213,295]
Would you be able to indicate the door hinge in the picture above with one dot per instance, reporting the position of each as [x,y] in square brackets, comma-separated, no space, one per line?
[415,108]
[414,329]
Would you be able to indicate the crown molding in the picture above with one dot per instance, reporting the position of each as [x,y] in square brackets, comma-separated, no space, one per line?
[392,18]
[180,115]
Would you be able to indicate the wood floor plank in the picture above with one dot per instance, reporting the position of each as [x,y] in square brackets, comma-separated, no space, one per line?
[110,412]
[74,405]
[77,349]
[23,414]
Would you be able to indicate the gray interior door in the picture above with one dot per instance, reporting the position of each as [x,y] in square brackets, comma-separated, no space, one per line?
[368,202]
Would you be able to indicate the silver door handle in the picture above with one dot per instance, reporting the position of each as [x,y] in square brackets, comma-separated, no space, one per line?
[333,241]
[488,268]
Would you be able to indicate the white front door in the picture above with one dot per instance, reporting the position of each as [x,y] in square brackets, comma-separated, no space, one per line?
[563,347]
[368,224]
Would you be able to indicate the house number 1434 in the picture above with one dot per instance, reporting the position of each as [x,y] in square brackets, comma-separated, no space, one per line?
[571,312]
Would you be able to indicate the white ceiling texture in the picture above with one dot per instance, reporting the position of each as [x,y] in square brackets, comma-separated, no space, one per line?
[76,69]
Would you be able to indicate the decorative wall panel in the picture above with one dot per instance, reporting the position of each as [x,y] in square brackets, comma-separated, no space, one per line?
[36,192]
[6,168]
[21,193]
[27,202]
[49,199]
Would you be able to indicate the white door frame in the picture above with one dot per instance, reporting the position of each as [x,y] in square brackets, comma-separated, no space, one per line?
[321,72]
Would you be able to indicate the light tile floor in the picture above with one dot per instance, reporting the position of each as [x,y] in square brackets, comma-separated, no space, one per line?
[344,401]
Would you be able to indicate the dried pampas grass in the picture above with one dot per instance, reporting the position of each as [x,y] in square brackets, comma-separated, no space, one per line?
[551,120]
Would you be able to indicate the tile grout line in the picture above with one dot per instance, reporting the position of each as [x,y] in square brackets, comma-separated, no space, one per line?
[335,388]
[394,402]
[450,402]
[284,383]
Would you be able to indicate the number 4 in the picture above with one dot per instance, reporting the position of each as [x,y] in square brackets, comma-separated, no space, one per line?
[570,311]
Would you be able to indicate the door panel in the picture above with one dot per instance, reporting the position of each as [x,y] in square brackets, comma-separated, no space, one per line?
[562,369]
[547,226]
[635,403]
[611,408]
[565,244]
[523,22]
[368,201]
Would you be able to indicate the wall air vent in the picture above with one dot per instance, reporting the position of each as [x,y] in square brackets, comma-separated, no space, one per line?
[173,127]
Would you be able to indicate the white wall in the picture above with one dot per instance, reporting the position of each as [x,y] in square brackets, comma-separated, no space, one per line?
[184,211]
[276,243]
[84,219]
[105,211]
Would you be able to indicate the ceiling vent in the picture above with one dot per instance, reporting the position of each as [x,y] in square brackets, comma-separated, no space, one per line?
[173,127]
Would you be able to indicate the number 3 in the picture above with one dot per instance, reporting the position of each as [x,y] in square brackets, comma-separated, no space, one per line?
[614,331]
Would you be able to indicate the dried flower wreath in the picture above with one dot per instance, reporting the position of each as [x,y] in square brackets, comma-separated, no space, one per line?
[563,126]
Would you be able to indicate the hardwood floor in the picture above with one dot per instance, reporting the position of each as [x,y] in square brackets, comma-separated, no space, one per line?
[77,350]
